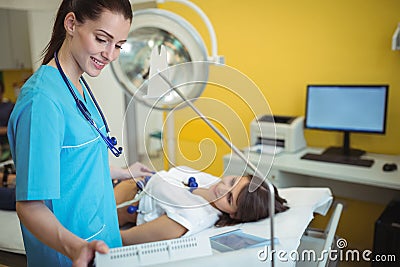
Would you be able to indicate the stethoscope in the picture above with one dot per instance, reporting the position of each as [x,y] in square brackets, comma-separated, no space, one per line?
[111,142]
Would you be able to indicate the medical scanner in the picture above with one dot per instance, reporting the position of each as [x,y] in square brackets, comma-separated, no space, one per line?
[284,132]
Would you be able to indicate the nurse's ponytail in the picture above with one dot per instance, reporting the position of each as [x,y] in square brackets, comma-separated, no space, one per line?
[58,35]
[83,10]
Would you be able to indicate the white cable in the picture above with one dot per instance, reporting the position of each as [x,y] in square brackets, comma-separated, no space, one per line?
[137,197]
[7,162]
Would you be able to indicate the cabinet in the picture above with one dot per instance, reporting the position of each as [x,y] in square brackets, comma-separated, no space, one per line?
[370,184]
[14,45]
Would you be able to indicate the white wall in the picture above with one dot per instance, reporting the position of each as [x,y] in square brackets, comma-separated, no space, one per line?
[40,21]
[14,45]
[40,26]
[6,56]
[30,4]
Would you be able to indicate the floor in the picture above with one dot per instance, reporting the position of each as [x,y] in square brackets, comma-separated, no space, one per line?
[12,260]
[355,264]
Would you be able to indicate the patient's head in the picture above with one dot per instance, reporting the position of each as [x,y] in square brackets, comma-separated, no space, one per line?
[239,205]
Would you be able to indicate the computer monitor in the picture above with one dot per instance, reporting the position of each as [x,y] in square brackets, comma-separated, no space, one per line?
[347,108]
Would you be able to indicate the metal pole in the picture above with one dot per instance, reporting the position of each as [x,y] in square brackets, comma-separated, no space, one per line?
[238,153]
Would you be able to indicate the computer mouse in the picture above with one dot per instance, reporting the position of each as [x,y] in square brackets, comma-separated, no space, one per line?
[389,167]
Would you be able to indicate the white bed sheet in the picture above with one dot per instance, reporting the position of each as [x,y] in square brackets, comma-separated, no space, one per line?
[10,233]
[289,227]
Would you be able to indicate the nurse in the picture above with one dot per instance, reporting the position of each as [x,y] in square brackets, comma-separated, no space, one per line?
[64,193]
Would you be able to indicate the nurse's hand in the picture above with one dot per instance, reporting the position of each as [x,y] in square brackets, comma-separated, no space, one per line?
[135,170]
[139,170]
[87,253]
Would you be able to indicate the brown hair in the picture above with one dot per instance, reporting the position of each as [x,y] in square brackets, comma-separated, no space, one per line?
[83,10]
[252,206]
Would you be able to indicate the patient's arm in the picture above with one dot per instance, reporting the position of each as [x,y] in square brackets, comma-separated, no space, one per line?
[162,228]
[125,191]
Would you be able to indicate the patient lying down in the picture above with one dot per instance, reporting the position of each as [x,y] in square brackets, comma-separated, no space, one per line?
[170,209]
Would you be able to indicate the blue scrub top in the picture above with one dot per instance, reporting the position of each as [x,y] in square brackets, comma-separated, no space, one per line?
[60,158]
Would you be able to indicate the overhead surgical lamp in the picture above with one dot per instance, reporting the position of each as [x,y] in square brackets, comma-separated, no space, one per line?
[153,27]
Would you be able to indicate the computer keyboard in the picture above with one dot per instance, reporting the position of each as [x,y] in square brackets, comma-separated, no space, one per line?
[339,159]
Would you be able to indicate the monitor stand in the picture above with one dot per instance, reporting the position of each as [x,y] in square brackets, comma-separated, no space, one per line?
[341,155]
[345,150]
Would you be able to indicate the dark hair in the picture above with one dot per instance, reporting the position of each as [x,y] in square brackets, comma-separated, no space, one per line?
[252,206]
[83,10]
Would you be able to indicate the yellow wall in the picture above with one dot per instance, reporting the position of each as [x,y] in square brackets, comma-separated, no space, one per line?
[13,80]
[285,45]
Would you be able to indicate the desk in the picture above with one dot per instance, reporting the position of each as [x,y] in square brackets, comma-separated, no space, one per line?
[362,183]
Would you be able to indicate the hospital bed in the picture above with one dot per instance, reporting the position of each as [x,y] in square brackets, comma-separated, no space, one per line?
[11,245]
[289,229]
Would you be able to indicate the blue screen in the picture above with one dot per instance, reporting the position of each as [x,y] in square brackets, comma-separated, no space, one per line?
[347,108]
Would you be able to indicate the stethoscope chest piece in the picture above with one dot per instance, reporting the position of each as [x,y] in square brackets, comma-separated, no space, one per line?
[111,142]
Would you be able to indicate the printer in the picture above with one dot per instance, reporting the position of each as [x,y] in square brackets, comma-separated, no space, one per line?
[284,132]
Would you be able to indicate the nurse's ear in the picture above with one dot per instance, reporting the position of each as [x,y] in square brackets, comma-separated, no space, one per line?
[70,23]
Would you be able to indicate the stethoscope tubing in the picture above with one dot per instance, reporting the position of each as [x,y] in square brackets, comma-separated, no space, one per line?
[110,141]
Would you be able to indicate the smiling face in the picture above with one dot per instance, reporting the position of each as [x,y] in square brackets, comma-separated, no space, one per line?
[96,43]
[225,193]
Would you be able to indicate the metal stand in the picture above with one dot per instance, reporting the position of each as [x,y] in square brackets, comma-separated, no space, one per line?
[237,152]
